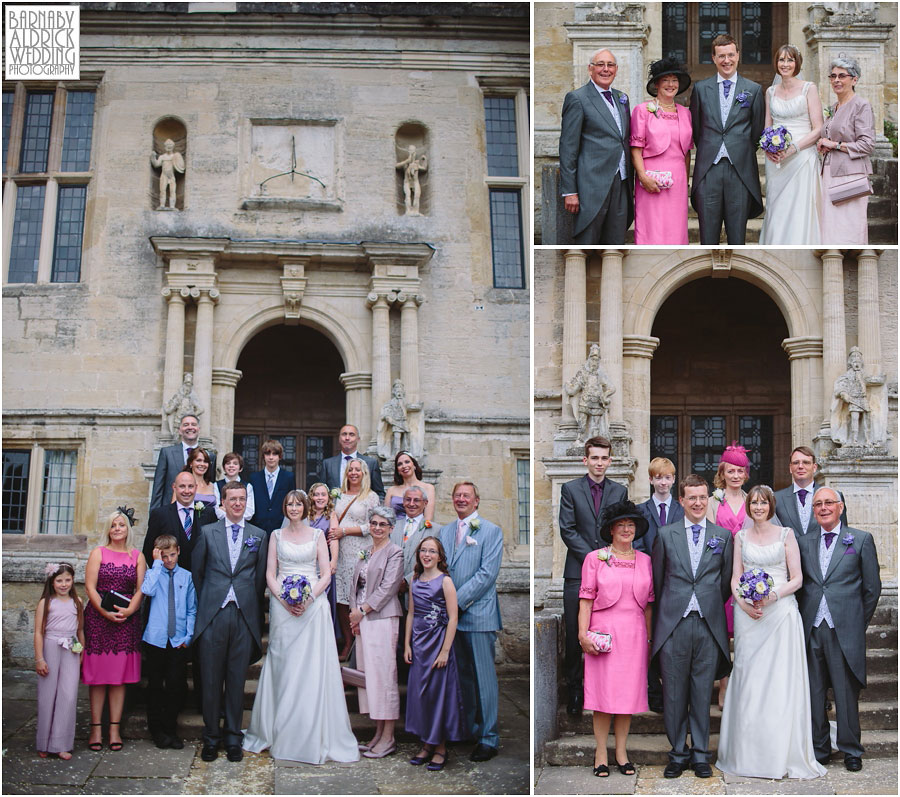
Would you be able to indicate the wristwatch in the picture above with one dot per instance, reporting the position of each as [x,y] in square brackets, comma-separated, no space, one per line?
[838,148]
[364,612]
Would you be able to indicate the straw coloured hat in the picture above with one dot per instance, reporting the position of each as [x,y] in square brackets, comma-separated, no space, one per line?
[623,510]
[667,66]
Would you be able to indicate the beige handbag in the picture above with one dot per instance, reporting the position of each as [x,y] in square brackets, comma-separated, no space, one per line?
[856,187]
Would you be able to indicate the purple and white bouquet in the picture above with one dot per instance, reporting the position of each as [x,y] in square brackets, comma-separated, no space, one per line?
[755,584]
[775,139]
[295,590]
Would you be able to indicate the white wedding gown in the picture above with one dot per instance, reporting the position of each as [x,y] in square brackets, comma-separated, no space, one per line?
[300,711]
[766,730]
[793,192]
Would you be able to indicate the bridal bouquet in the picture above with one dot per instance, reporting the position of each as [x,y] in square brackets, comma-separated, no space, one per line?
[295,590]
[755,584]
[775,140]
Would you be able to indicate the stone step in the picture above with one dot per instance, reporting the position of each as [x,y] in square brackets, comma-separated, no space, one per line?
[578,750]
[874,715]
[881,636]
[881,660]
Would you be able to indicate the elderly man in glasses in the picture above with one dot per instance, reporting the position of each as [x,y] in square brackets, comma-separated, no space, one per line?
[841,587]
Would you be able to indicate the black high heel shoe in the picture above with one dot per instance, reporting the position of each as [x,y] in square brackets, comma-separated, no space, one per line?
[96,746]
[115,746]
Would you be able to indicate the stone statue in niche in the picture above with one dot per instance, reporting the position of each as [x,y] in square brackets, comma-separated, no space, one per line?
[184,402]
[589,393]
[168,162]
[412,189]
[851,413]
[393,433]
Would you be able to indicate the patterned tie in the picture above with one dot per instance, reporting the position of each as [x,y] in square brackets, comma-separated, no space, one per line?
[460,531]
[801,494]
[410,526]
[662,514]
[696,530]
[270,483]
[726,84]
[829,538]
[171,629]
[188,521]
[235,530]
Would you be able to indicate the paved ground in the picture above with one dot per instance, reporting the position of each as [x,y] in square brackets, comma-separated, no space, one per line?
[878,776]
[140,768]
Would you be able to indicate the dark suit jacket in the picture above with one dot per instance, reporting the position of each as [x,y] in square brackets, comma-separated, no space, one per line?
[331,473]
[269,513]
[648,510]
[788,514]
[590,147]
[168,466]
[167,520]
[741,133]
[852,586]
[579,525]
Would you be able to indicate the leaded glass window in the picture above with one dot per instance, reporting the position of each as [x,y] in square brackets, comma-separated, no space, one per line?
[15,490]
[58,509]
[76,153]
[506,238]
[26,240]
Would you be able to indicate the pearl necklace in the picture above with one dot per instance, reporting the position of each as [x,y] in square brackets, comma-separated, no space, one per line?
[621,553]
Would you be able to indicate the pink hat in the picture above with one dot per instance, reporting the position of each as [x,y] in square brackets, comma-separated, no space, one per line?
[735,455]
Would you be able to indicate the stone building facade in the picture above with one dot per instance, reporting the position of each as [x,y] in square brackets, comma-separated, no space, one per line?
[706,346]
[291,278]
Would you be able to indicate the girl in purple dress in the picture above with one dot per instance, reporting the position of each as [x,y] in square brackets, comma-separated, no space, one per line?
[321,516]
[112,651]
[58,641]
[434,709]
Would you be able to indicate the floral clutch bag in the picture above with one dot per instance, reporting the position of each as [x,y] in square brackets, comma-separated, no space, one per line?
[663,179]
[602,641]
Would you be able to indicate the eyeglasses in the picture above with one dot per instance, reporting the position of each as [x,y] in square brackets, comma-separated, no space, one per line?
[820,504]
[611,66]
[842,76]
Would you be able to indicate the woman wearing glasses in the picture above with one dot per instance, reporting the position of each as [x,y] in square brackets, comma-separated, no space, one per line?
[848,139]
[770,680]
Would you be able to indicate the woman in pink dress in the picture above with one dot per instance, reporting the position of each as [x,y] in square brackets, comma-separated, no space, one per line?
[726,509]
[615,596]
[661,141]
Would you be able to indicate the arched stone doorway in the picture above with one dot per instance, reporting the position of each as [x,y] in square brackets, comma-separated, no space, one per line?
[719,374]
[290,391]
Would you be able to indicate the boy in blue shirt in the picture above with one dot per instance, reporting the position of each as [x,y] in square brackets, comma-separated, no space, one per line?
[170,628]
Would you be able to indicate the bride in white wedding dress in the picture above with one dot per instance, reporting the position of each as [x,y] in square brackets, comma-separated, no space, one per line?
[793,184]
[766,730]
[300,711]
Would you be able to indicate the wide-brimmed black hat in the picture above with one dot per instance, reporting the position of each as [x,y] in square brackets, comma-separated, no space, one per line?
[623,510]
[667,66]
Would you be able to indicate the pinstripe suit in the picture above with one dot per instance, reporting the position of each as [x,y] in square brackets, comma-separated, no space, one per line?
[474,568]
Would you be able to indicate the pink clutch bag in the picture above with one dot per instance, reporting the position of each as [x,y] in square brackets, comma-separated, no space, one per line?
[663,179]
[602,641]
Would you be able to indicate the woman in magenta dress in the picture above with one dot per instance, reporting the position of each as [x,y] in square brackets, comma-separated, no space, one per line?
[726,509]
[615,596]
[661,141]
[112,651]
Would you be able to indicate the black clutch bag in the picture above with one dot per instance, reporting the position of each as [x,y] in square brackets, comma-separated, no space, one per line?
[112,600]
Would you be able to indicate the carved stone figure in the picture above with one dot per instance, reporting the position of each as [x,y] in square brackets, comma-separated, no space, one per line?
[412,189]
[184,402]
[850,410]
[590,391]
[393,435]
[168,162]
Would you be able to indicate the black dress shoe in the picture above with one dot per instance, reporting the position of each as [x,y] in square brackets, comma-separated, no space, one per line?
[209,753]
[702,769]
[234,752]
[576,702]
[162,741]
[853,763]
[175,743]
[673,770]
[483,753]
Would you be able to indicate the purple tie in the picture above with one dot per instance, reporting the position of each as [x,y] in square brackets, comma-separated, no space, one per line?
[597,493]
[235,530]
[829,538]
[726,84]
[188,521]
[608,95]
[696,530]
[801,494]
[662,514]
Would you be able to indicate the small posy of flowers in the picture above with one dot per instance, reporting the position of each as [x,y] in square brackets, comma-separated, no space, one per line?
[71,643]
[848,539]
[623,98]
[653,107]
[755,584]
[475,524]
[715,544]
[719,494]
[198,506]
[251,543]
[427,524]
[827,111]
[776,139]
[365,554]
[604,555]
[335,493]
[295,590]
[743,99]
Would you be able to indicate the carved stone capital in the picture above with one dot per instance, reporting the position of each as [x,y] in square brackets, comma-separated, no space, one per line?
[802,347]
[374,299]
[359,380]
[639,346]
[226,376]
[721,262]
[293,286]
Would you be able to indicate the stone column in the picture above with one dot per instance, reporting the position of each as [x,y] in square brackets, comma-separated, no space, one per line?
[409,367]
[611,325]
[834,336]
[221,418]
[637,353]
[805,355]
[869,341]
[203,352]
[358,390]
[574,324]
[174,366]
[381,358]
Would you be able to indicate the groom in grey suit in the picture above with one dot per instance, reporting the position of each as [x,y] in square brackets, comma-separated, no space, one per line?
[595,172]
[728,113]
[692,581]
[229,571]
[841,587]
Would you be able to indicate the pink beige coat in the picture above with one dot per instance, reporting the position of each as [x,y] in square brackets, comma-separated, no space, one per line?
[383,579]
[853,124]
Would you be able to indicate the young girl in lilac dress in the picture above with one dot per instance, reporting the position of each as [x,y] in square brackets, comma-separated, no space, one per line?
[434,710]
[408,473]
[726,509]
[321,516]
[58,642]
[112,650]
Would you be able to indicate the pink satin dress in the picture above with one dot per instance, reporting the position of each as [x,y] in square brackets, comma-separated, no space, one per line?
[734,523]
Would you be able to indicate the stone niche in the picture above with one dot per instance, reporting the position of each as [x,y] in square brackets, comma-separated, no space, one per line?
[412,134]
[167,128]
[291,164]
